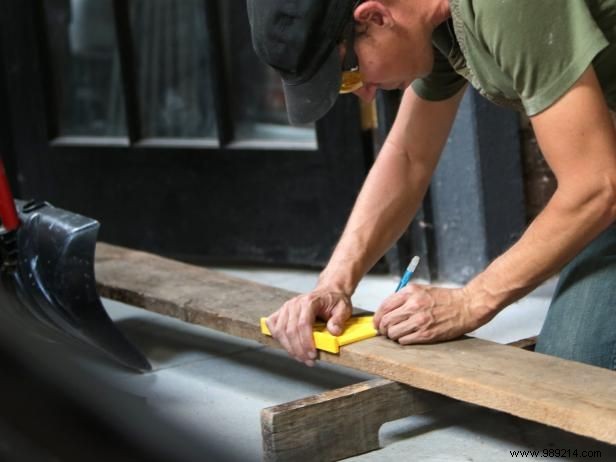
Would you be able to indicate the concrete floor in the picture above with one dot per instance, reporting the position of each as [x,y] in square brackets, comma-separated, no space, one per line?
[212,386]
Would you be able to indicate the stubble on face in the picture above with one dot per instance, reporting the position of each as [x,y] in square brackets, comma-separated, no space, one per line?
[394,57]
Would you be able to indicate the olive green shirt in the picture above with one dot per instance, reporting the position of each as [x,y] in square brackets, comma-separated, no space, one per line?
[524,54]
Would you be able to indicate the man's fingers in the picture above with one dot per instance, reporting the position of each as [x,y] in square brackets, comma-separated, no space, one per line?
[303,341]
[416,337]
[271,321]
[292,324]
[304,329]
[389,304]
[293,329]
[278,331]
[340,314]
[406,326]
[391,319]
[290,332]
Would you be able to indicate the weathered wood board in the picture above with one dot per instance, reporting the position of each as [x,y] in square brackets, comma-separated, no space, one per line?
[340,423]
[564,394]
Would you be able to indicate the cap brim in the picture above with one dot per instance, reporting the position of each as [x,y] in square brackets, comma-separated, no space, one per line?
[310,100]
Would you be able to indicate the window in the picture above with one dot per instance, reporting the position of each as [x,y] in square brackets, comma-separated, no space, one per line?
[158,71]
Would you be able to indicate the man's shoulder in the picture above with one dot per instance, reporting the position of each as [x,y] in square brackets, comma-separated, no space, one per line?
[538,47]
[489,16]
[523,23]
[509,7]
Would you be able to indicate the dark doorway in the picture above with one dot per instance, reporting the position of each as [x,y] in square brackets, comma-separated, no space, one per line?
[156,118]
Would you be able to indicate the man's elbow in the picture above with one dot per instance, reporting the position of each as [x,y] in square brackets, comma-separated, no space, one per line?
[593,200]
[606,196]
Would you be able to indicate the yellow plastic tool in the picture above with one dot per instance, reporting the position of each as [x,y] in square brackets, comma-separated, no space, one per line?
[355,329]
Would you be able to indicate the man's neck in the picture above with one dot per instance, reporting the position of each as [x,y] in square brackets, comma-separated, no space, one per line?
[439,11]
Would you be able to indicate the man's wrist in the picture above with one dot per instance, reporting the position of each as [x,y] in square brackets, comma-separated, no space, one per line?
[482,301]
[336,283]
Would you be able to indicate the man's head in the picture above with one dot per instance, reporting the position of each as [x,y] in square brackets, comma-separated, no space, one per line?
[299,39]
[311,43]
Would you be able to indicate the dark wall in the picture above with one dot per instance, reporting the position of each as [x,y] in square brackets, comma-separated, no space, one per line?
[477,192]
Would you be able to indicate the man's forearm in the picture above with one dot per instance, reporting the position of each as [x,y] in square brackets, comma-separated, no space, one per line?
[393,190]
[561,231]
[384,208]
[578,140]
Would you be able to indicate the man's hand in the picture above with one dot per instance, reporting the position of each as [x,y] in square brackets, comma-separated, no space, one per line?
[427,314]
[292,324]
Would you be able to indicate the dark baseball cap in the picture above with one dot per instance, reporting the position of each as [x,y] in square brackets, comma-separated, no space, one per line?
[299,39]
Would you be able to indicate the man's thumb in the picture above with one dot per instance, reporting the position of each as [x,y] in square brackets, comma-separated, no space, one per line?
[335,325]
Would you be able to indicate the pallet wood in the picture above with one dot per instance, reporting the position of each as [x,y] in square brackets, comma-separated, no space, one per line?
[526,343]
[564,394]
[345,422]
[340,423]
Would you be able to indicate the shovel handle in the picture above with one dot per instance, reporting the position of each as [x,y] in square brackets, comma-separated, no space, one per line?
[8,213]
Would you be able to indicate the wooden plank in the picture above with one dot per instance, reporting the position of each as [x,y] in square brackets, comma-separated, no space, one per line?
[564,394]
[526,343]
[340,423]
[345,422]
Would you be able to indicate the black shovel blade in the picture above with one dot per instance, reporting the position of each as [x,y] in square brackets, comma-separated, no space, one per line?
[54,279]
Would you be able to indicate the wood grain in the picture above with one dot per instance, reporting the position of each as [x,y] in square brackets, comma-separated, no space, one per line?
[345,422]
[340,423]
[564,394]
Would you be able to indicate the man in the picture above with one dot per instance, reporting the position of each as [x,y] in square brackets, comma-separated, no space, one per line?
[553,59]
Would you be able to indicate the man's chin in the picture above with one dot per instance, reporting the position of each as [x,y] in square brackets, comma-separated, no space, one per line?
[395,86]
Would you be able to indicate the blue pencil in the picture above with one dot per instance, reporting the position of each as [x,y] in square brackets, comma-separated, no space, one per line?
[408,274]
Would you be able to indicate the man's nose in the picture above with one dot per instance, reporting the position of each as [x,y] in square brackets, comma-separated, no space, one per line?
[367,93]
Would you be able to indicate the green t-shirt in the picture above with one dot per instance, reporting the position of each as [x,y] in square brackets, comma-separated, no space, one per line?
[524,54]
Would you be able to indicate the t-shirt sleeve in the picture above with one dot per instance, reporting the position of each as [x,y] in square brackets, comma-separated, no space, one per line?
[442,83]
[542,46]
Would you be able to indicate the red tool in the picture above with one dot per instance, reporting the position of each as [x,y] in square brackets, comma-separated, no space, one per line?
[8,213]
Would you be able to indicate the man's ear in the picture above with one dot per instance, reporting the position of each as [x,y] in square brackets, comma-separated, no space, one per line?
[373,12]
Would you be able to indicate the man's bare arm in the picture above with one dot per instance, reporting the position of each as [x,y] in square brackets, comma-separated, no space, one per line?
[389,198]
[578,140]
[394,188]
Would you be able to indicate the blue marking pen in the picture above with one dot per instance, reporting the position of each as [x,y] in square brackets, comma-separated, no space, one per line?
[408,274]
